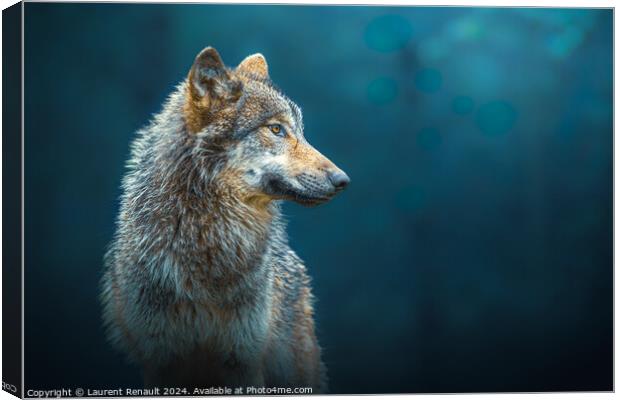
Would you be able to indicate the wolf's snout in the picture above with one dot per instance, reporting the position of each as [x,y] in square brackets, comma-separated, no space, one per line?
[339,179]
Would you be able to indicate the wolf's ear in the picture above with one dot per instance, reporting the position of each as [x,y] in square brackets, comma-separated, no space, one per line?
[209,79]
[255,65]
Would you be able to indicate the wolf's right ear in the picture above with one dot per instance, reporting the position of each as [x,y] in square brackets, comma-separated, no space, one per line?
[210,80]
[254,65]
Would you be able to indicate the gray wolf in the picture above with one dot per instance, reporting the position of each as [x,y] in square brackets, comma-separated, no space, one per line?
[200,286]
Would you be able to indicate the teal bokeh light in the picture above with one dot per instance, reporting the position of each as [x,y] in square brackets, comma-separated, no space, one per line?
[462,105]
[496,117]
[563,44]
[429,139]
[428,80]
[382,90]
[388,33]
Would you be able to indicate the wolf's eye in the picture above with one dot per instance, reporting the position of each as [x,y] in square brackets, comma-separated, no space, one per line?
[277,130]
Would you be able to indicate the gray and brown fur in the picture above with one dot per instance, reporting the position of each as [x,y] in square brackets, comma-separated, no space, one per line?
[200,285]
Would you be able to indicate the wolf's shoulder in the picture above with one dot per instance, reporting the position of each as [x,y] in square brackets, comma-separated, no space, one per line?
[291,283]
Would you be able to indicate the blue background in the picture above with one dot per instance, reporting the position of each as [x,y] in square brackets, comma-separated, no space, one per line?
[473,248]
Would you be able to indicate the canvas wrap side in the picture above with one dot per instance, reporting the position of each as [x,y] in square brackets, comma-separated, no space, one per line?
[12,200]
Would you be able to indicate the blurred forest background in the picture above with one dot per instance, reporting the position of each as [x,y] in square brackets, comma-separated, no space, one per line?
[473,248]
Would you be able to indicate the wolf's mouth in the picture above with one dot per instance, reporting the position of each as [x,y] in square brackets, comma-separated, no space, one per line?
[309,201]
[283,190]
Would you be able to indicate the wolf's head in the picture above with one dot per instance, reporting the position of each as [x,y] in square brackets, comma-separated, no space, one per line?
[258,132]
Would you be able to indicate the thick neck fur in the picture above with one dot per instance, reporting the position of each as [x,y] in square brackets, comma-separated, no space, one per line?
[202,238]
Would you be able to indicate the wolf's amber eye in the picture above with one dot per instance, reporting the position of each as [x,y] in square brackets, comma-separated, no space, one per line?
[277,129]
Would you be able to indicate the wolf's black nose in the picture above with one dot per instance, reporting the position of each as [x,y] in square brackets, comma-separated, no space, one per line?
[339,179]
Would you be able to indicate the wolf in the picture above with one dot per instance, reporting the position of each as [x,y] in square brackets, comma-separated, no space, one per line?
[200,287]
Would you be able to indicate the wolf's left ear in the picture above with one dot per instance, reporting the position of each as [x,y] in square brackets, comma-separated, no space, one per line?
[209,78]
[255,65]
